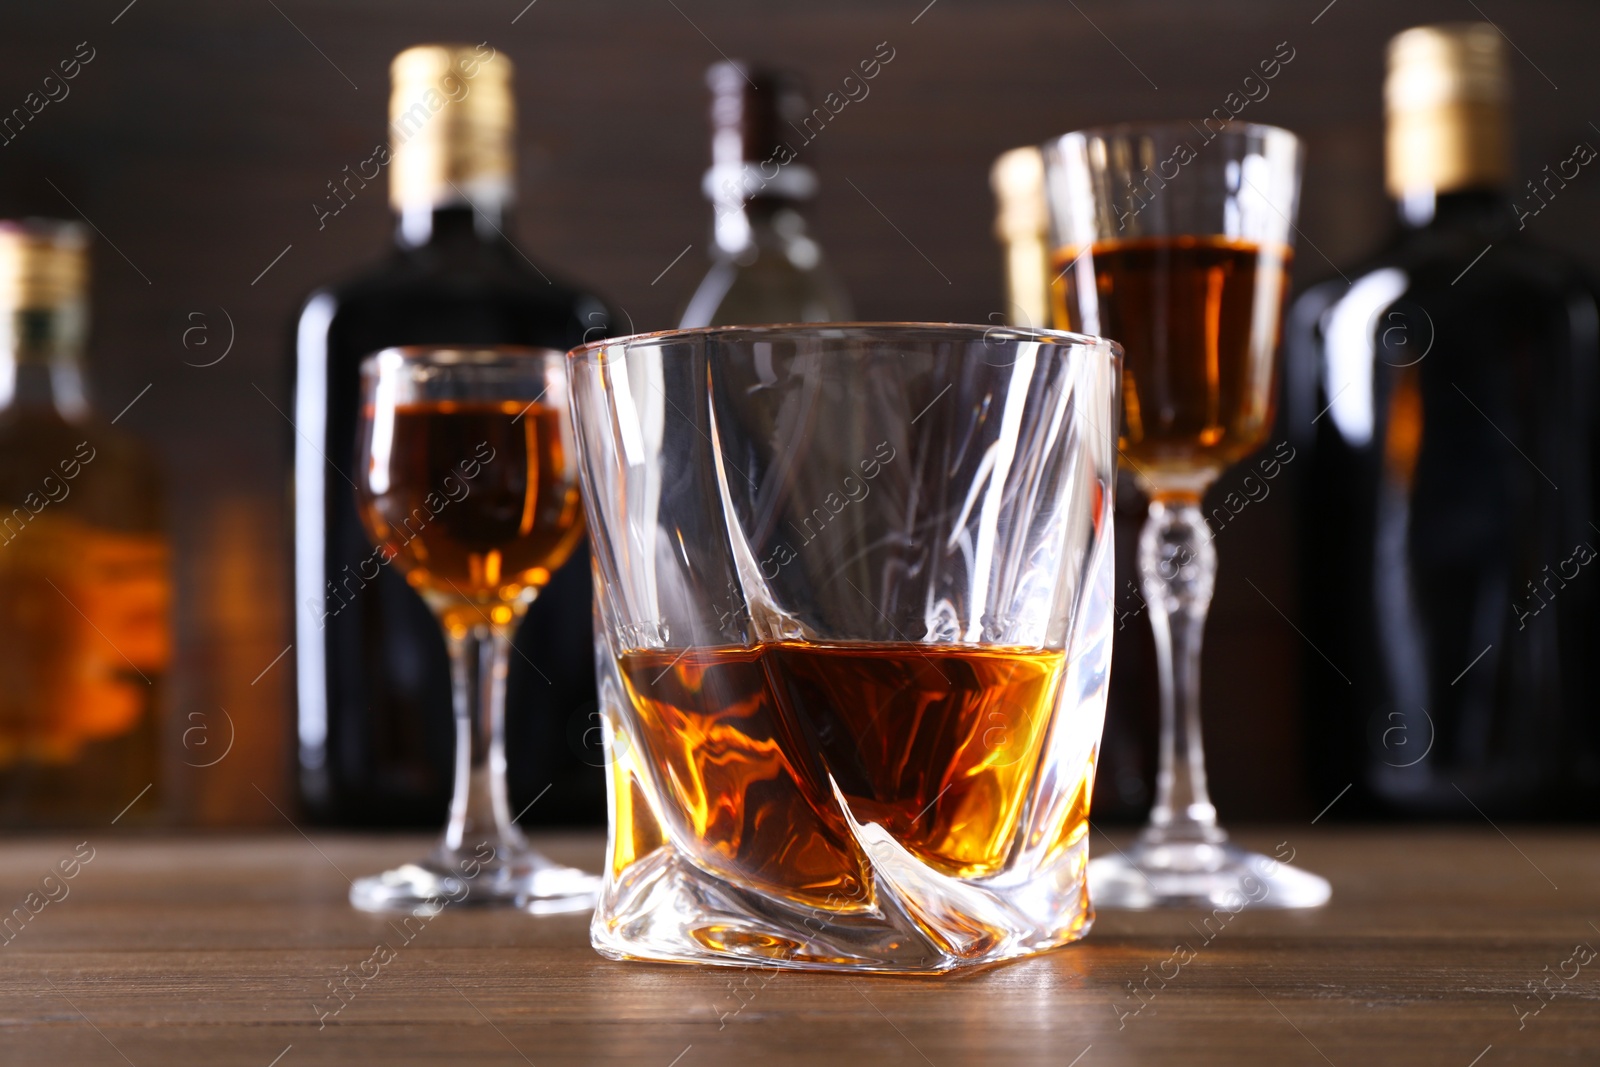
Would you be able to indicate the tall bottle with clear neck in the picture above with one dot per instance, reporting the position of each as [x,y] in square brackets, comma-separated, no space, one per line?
[374,720]
[85,587]
[766,268]
[1449,502]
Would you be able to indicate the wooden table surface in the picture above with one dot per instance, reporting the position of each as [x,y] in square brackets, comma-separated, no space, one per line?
[222,951]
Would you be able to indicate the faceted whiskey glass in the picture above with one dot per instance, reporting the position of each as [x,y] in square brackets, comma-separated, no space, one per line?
[853,625]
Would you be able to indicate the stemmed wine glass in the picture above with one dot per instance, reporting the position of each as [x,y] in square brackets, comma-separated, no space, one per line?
[1175,240]
[468,482]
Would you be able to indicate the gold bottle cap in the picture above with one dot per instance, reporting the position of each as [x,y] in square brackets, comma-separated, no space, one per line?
[1447,97]
[452,123]
[44,264]
[1023,226]
[1017,179]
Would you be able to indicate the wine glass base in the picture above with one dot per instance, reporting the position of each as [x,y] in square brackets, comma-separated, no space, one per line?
[1200,874]
[523,880]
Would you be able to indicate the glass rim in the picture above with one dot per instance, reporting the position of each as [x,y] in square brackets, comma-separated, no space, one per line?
[875,330]
[466,355]
[1110,129]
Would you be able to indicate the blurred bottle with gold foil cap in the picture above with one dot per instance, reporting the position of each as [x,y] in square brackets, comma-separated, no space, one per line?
[1022,224]
[372,680]
[1447,99]
[1445,390]
[85,591]
[43,264]
[452,125]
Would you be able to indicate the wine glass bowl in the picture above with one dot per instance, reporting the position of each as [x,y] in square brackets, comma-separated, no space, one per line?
[1198,397]
[468,484]
[1175,240]
[518,516]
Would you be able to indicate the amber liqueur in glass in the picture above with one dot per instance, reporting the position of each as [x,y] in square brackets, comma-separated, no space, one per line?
[1450,528]
[375,735]
[1197,369]
[482,504]
[85,581]
[936,744]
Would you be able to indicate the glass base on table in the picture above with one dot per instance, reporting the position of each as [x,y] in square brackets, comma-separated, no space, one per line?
[1200,874]
[496,878]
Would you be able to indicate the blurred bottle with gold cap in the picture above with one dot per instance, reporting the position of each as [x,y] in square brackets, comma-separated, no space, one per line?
[85,588]
[1449,501]
[1022,224]
[376,737]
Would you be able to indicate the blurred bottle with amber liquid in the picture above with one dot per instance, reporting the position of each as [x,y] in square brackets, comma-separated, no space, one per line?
[85,591]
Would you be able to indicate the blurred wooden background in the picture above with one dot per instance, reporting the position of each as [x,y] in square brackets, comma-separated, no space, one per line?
[199,137]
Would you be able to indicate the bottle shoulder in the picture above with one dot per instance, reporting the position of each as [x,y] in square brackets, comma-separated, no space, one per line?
[1459,280]
[35,428]
[768,286]
[416,297]
[84,466]
[1493,263]
[1439,318]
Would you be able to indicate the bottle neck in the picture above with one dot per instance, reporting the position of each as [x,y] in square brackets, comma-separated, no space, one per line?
[1447,160]
[486,222]
[1480,209]
[41,360]
[765,223]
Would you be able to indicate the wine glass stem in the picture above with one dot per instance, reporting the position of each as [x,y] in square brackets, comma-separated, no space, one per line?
[1178,567]
[479,810]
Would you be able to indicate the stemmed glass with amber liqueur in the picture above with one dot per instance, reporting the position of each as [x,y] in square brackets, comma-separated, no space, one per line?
[1175,241]
[468,483]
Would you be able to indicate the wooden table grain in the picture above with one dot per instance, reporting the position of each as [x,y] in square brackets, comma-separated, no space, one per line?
[225,950]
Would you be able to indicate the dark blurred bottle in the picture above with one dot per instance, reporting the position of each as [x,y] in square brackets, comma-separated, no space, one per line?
[85,587]
[765,267]
[376,737]
[1450,593]
[1125,768]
